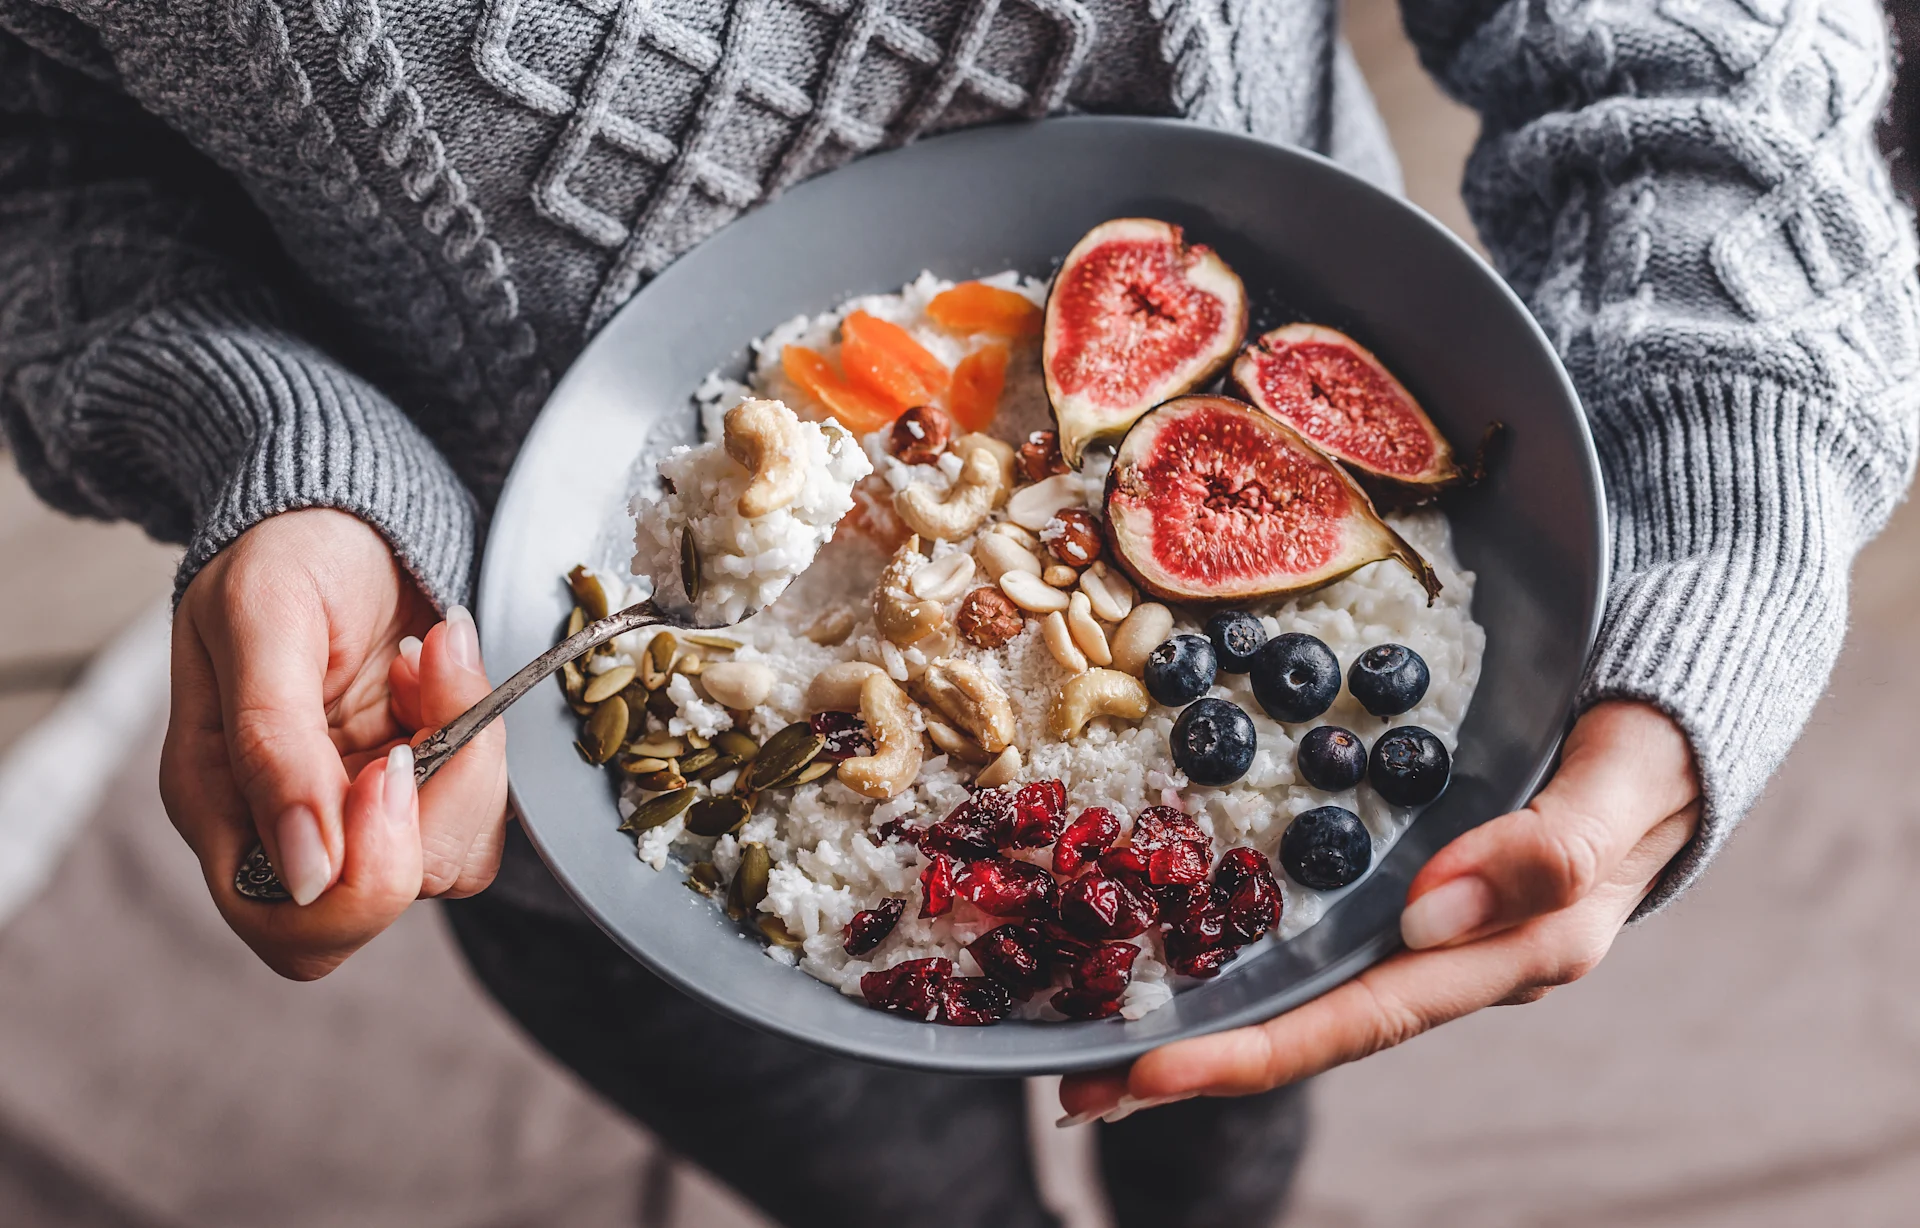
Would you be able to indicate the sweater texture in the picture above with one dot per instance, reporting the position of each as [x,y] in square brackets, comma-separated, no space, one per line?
[258,255]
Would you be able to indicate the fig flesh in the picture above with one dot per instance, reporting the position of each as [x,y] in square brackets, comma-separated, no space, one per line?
[1330,388]
[1137,315]
[1211,501]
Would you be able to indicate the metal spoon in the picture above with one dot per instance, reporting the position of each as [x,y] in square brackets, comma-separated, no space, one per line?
[256,879]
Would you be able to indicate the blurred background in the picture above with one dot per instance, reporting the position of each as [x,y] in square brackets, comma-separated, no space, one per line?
[1750,1057]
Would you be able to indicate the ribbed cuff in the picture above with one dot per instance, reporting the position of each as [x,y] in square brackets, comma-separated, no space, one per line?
[230,420]
[1738,504]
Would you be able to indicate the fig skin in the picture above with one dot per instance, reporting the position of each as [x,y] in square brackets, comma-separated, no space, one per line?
[1081,420]
[1371,540]
[1441,470]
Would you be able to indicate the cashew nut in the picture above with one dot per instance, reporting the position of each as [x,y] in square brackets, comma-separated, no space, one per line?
[962,692]
[1002,452]
[1143,630]
[903,618]
[765,437]
[982,484]
[1001,771]
[895,760]
[1098,692]
[951,741]
[837,687]
[738,684]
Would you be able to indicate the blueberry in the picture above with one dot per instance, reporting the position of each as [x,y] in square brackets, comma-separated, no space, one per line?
[1326,848]
[1180,670]
[1213,742]
[1332,758]
[1237,636]
[1409,766]
[1295,677]
[1388,680]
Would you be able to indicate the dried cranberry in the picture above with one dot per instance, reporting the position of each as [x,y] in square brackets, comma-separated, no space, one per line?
[1098,907]
[869,929]
[1061,945]
[1127,863]
[1039,811]
[936,885]
[1202,964]
[1088,836]
[1201,932]
[1239,864]
[846,735]
[973,830]
[1182,862]
[899,829]
[1159,827]
[1007,888]
[1016,956]
[1106,970]
[974,1001]
[1076,1005]
[1252,909]
[912,988]
[1181,901]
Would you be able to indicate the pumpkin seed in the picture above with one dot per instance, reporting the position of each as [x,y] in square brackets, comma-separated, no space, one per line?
[737,744]
[580,709]
[634,766]
[696,741]
[716,816]
[587,591]
[586,755]
[659,748]
[785,753]
[704,877]
[650,678]
[663,781]
[720,765]
[777,933]
[576,622]
[661,705]
[706,639]
[749,885]
[572,680]
[697,760]
[689,565]
[615,680]
[661,648]
[607,728]
[813,771]
[656,811]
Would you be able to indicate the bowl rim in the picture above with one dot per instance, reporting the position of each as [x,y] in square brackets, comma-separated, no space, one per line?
[493,585]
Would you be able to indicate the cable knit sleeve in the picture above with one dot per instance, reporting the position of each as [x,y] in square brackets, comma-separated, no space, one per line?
[148,371]
[1687,194]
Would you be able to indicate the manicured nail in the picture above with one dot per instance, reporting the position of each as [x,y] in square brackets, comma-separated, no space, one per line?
[1129,1105]
[303,863]
[1079,1119]
[410,650]
[1447,912]
[396,790]
[463,639]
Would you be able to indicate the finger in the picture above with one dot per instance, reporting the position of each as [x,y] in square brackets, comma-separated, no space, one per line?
[403,685]
[379,877]
[196,779]
[463,807]
[270,655]
[1625,769]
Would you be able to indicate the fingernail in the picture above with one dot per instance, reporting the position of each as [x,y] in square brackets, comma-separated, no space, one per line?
[397,789]
[1078,1119]
[410,650]
[302,861]
[463,639]
[1129,1105]
[1447,912]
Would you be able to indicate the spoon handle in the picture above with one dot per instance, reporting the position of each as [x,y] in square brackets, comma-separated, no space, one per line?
[256,880]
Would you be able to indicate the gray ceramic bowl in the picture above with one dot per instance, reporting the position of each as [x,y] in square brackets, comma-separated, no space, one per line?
[1311,241]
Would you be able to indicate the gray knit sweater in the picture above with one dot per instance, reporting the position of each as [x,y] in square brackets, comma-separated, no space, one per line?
[266,254]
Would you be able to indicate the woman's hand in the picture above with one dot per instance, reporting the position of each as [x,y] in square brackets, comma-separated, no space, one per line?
[297,683]
[1502,915]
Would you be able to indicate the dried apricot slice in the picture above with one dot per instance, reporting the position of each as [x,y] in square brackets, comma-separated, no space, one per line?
[977,383]
[858,410]
[976,307]
[884,359]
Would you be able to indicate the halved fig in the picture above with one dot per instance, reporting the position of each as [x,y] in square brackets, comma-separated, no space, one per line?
[1331,389]
[1211,501]
[1137,315]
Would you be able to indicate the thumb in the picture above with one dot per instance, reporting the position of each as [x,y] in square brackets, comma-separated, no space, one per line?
[1625,769]
[270,664]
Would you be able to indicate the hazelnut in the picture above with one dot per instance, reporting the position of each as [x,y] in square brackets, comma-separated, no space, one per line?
[920,435]
[1073,535]
[988,618]
[1039,457]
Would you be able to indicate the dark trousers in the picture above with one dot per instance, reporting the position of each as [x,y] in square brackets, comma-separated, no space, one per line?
[815,1139]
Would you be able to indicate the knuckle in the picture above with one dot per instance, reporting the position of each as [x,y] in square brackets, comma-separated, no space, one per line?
[258,742]
[1392,1020]
[1568,859]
